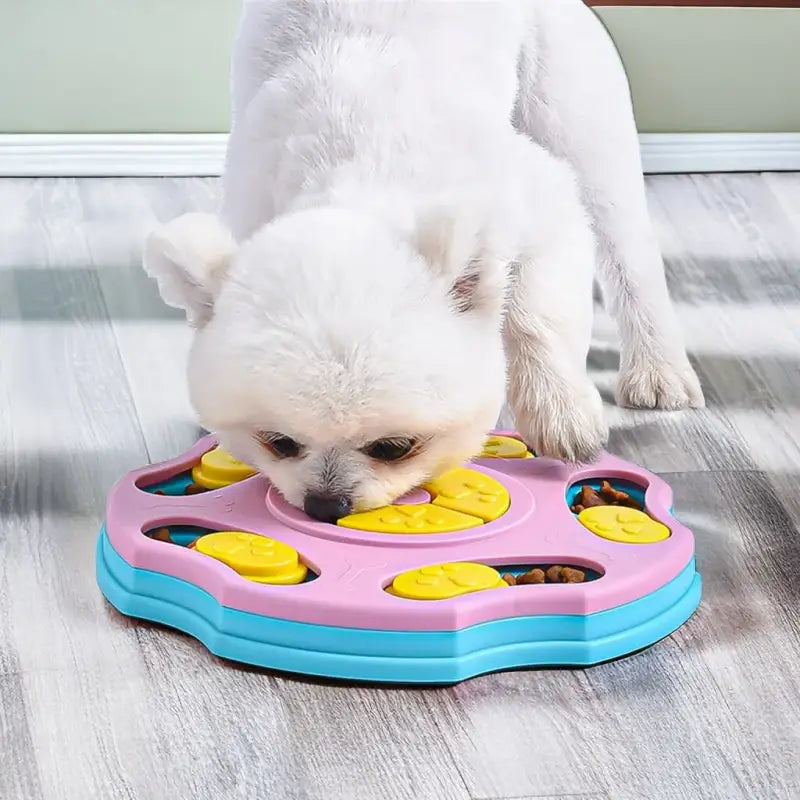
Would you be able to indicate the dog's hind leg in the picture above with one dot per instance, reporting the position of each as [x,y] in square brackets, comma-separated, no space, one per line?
[574,100]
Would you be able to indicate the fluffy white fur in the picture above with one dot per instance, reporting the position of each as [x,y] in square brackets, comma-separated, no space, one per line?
[417,196]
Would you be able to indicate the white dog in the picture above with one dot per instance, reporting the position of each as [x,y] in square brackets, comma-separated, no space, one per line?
[417,193]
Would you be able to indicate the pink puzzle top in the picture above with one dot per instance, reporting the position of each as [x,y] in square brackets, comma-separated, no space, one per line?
[354,567]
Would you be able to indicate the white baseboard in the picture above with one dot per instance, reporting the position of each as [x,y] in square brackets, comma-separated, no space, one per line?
[172,154]
[720,152]
[111,154]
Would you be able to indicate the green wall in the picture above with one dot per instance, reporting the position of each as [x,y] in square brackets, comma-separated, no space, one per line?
[100,66]
[103,66]
[710,70]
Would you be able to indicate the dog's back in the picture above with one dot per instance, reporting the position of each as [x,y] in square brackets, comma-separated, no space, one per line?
[321,83]
[479,42]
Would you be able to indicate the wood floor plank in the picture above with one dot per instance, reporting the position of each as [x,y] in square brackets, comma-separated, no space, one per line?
[19,777]
[153,340]
[72,430]
[601,796]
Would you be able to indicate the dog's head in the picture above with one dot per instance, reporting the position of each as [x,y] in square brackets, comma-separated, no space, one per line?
[345,361]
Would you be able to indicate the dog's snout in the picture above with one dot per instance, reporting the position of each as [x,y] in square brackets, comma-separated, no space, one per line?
[327,507]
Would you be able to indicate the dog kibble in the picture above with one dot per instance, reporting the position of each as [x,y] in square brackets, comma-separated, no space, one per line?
[618,497]
[571,575]
[161,535]
[194,488]
[554,574]
[534,576]
[588,497]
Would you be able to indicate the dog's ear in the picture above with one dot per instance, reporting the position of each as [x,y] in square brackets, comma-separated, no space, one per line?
[459,252]
[189,258]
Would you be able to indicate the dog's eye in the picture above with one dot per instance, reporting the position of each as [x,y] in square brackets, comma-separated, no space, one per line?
[279,445]
[390,449]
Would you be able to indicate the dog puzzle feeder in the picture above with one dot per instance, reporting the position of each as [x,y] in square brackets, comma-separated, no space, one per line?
[410,593]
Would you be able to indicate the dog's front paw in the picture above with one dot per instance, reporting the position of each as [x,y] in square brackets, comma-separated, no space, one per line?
[660,384]
[567,426]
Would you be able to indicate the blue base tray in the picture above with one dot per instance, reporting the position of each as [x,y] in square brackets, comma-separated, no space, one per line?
[427,657]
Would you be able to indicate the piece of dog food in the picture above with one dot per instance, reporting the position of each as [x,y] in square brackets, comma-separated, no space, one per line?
[160,492]
[571,575]
[161,535]
[559,574]
[589,497]
[534,576]
[617,497]
[554,574]
[194,488]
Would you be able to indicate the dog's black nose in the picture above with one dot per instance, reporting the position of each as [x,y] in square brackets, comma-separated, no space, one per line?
[327,507]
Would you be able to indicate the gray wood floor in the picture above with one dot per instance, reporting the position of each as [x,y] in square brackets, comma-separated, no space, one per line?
[95,706]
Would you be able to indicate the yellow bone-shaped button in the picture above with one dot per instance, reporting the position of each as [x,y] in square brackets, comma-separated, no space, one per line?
[441,581]
[257,558]
[413,519]
[505,447]
[470,492]
[218,469]
[627,525]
